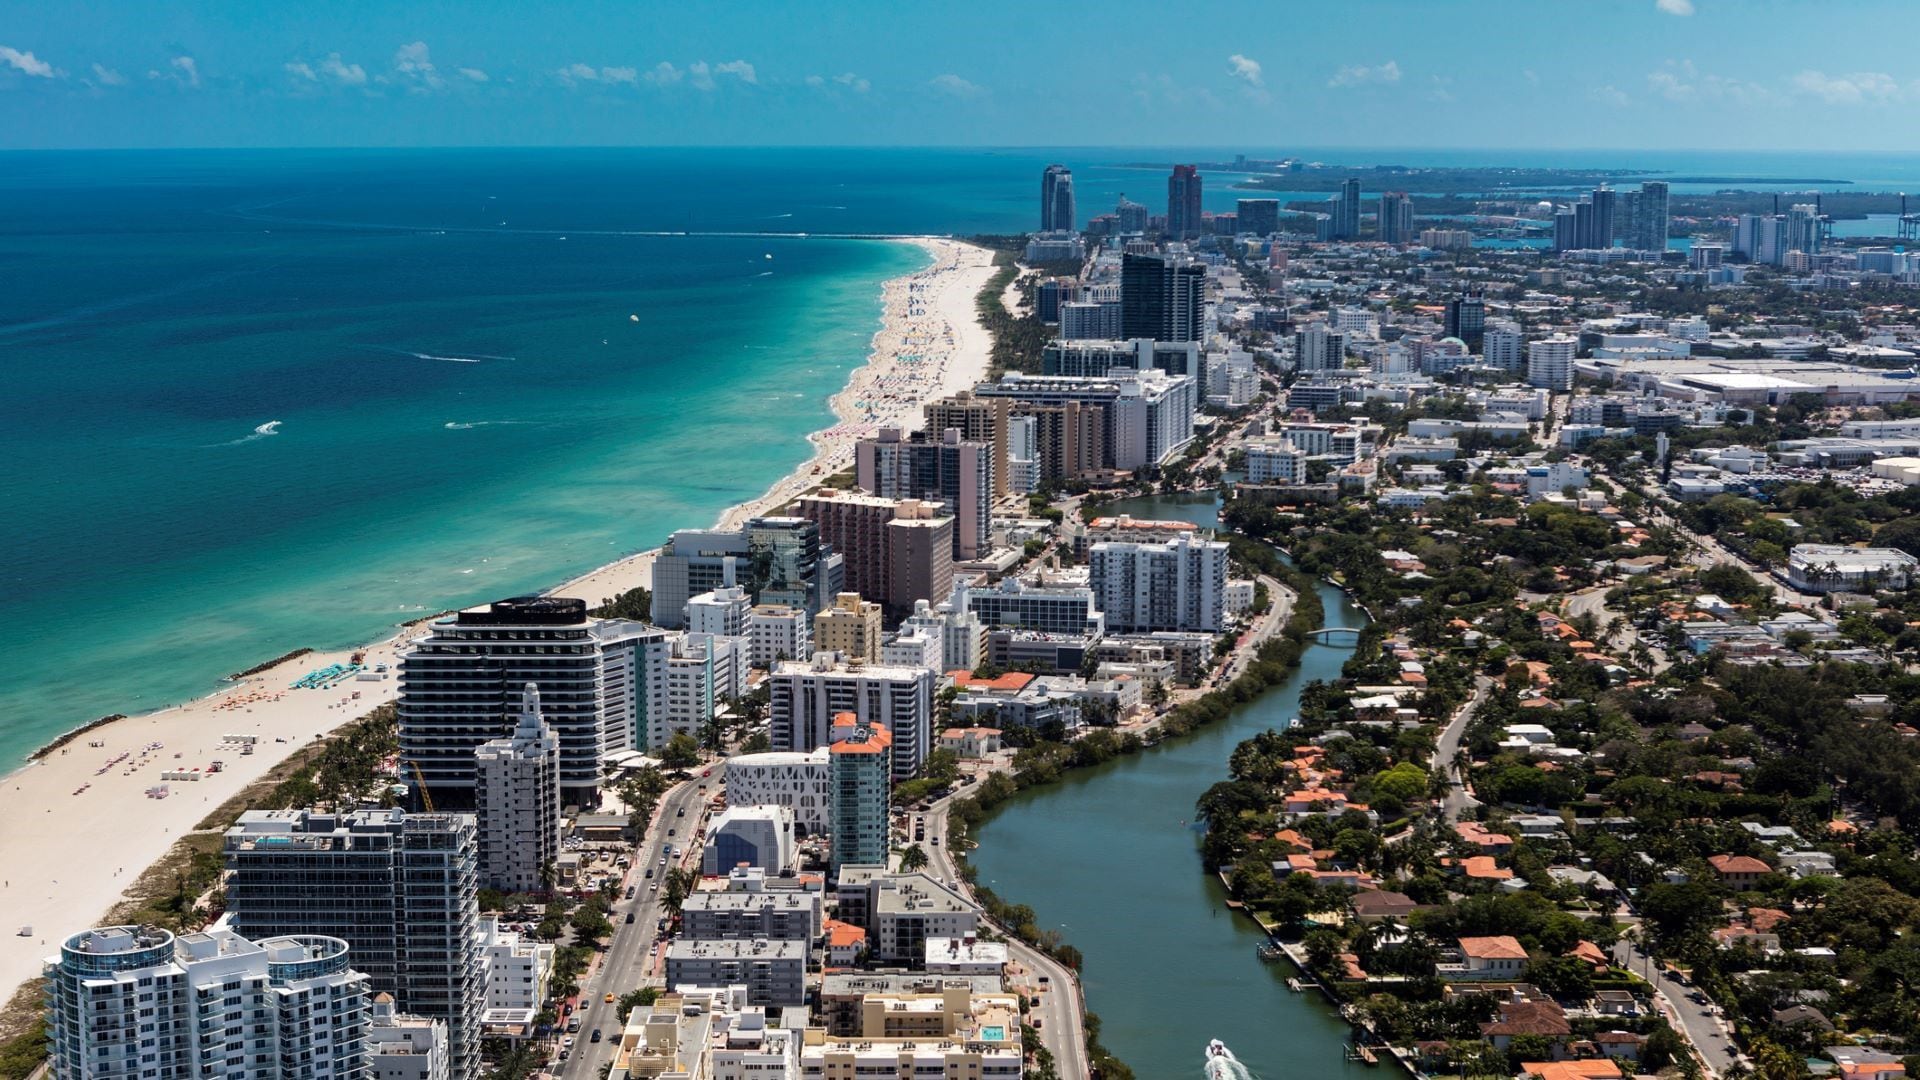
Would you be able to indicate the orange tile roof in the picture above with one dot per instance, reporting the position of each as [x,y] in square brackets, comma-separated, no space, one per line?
[1502,947]
[1738,864]
[1011,681]
[1590,1069]
[1483,866]
[1591,953]
[844,935]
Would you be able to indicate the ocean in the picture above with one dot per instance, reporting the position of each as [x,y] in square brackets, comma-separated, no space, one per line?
[263,400]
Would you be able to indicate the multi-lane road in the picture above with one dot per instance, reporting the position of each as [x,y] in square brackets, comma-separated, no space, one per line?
[630,961]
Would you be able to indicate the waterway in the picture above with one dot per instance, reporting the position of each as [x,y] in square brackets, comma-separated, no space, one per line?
[1110,858]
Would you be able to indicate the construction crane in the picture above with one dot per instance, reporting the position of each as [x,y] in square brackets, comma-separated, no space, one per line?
[426,800]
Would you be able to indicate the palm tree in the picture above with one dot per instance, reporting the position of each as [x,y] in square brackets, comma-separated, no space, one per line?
[913,858]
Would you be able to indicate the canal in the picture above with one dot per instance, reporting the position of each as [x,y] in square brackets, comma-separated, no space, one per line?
[1110,858]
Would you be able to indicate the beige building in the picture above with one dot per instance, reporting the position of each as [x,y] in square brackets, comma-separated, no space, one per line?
[896,550]
[981,420]
[851,626]
[954,1034]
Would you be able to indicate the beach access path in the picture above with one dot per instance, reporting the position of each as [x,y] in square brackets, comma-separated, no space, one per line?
[80,826]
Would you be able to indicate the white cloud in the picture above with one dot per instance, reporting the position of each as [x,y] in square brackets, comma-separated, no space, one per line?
[739,69]
[1680,81]
[1675,7]
[474,75]
[664,74]
[189,71]
[25,62]
[1855,88]
[699,75]
[626,75]
[845,80]
[1245,67]
[1442,89]
[1360,74]
[953,84]
[300,69]
[413,65]
[1610,95]
[1669,86]
[342,72]
[106,76]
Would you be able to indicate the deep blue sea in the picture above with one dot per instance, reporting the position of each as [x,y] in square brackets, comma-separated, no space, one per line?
[260,400]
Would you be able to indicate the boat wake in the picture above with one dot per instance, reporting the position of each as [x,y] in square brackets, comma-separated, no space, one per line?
[1222,1065]
[271,427]
[456,425]
[471,358]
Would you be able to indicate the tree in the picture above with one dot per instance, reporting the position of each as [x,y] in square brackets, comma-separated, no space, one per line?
[678,885]
[757,743]
[633,999]
[681,752]
[913,858]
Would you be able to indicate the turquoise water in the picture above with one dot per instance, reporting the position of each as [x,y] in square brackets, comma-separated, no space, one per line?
[1109,856]
[257,401]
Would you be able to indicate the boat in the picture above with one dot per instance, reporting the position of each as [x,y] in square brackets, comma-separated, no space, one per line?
[1216,1048]
[1271,953]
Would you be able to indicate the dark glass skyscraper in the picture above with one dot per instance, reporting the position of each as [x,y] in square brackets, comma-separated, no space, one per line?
[1183,202]
[1346,210]
[1467,319]
[1056,199]
[1395,218]
[1162,299]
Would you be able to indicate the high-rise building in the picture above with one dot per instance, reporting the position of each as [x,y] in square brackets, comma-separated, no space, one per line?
[136,1001]
[1183,203]
[1566,228]
[897,550]
[1550,362]
[851,627]
[402,890]
[1275,461]
[1098,359]
[1023,455]
[1467,319]
[1258,217]
[777,632]
[1651,216]
[1503,346]
[1346,210]
[1056,199]
[460,686]
[1602,229]
[1803,228]
[1148,415]
[1162,298]
[806,696]
[1319,348]
[936,465]
[1069,438]
[1014,604]
[517,802]
[978,420]
[798,781]
[778,560]
[861,785]
[1395,218]
[1132,216]
[1179,584]
[1085,319]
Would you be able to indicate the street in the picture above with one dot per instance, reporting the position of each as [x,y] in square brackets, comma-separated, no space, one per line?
[1447,747]
[628,962]
[1699,1023]
[1059,1013]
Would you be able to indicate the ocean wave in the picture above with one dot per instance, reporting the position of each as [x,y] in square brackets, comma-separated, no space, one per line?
[457,425]
[470,358]
[764,273]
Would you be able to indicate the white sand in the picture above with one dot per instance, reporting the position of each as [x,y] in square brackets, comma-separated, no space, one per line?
[73,837]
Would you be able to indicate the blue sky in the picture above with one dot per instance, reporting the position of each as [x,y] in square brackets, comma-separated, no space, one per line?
[1680,74]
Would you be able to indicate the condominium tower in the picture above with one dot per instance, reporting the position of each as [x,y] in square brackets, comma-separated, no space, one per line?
[518,801]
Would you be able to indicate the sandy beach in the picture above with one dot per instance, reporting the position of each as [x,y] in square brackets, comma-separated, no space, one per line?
[82,824]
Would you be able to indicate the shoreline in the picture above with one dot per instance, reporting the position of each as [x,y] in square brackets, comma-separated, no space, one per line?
[89,788]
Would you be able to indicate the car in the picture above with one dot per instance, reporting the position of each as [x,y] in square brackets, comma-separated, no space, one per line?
[655,887]
[649,871]
[573,1024]
[935,841]
[629,916]
[682,812]
[708,772]
[596,1035]
[670,832]
[630,890]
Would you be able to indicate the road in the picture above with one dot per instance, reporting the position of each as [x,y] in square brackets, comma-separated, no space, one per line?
[1061,1011]
[1279,609]
[1447,747]
[1700,1023]
[628,961]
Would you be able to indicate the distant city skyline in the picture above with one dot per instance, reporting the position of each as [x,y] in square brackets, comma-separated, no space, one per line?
[1646,74]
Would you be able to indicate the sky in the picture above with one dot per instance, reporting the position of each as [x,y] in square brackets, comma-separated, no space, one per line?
[1636,74]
